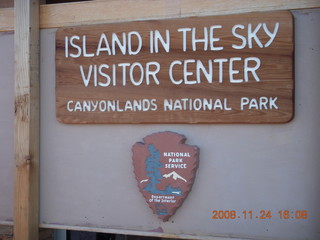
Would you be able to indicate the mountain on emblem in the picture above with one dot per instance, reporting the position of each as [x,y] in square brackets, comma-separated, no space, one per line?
[174,176]
[165,169]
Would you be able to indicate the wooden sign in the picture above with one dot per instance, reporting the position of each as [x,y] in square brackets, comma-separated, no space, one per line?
[165,169]
[222,69]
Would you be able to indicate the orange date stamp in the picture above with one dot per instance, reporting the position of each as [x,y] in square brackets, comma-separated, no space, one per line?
[260,214]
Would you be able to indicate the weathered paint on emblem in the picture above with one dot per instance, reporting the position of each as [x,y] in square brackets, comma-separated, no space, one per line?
[165,169]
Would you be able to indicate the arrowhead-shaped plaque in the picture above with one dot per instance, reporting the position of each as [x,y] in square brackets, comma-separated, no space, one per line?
[165,168]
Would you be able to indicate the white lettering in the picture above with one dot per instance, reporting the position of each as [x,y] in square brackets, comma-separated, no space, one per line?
[253,35]
[153,73]
[203,40]
[186,73]
[220,61]
[177,82]
[75,37]
[85,79]
[132,79]
[232,71]
[263,103]
[213,39]
[248,69]
[272,35]
[184,37]
[68,106]
[117,41]
[84,47]
[103,40]
[165,43]
[244,40]
[139,45]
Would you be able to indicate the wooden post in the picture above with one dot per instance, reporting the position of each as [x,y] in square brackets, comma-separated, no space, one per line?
[26,136]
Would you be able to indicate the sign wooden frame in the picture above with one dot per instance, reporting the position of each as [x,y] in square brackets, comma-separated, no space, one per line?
[26,136]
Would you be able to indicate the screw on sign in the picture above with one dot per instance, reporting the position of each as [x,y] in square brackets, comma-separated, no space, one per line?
[165,169]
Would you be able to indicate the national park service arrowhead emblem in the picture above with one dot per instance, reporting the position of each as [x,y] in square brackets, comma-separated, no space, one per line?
[165,168]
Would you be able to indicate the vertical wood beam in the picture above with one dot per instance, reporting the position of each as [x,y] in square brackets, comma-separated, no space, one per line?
[26,135]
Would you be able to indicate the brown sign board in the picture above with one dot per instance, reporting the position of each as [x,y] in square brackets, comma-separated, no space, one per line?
[216,69]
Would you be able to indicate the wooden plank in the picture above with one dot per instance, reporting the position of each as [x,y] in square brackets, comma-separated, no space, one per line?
[189,79]
[6,19]
[6,233]
[93,12]
[6,4]
[26,136]
[111,11]
[205,7]
[85,13]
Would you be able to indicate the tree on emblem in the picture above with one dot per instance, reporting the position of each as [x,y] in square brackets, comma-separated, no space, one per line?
[152,168]
[153,165]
